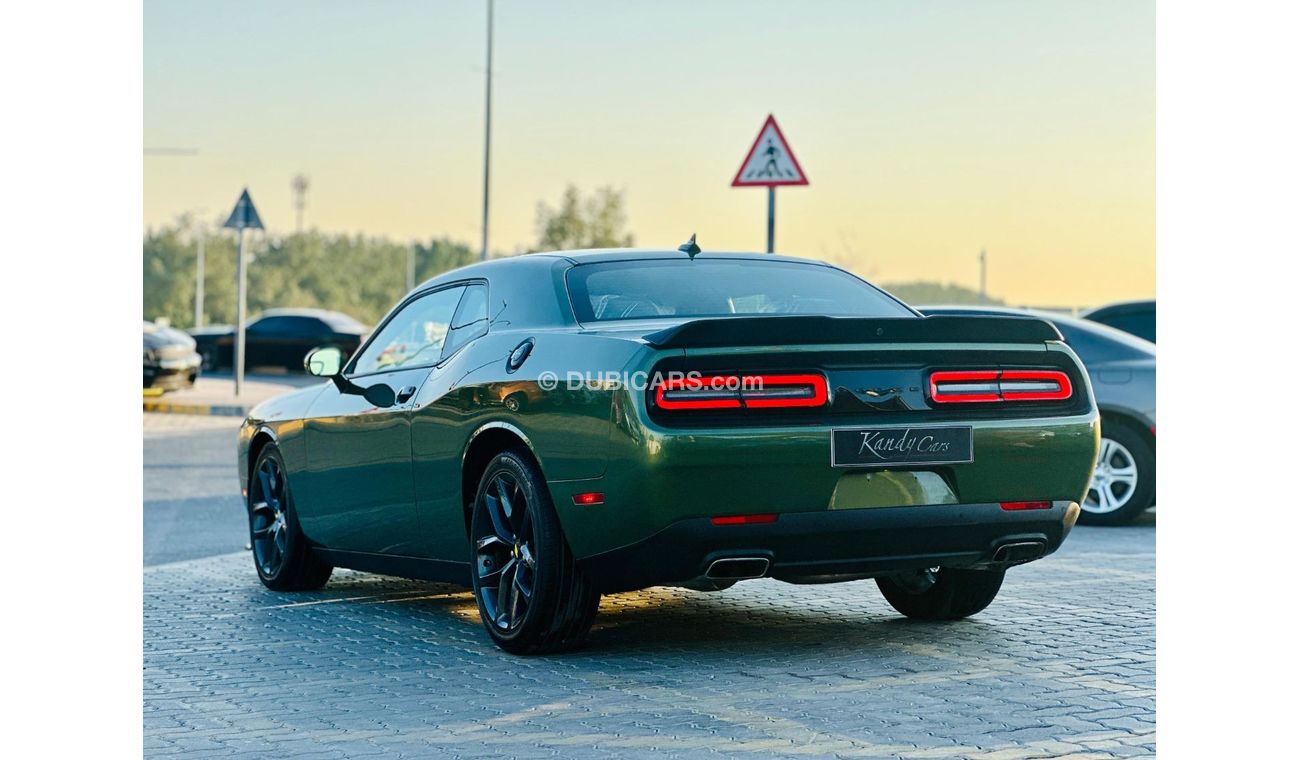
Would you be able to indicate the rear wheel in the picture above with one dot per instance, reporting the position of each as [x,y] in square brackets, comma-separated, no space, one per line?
[1124,480]
[284,560]
[531,596]
[941,593]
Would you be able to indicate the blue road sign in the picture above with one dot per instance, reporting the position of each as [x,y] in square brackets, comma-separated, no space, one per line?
[245,215]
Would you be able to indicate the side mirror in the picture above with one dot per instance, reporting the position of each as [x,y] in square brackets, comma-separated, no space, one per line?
[324,361]
[327,361]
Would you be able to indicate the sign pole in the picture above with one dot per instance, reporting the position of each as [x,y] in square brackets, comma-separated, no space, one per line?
[242,315]
[242,219]
[771,218]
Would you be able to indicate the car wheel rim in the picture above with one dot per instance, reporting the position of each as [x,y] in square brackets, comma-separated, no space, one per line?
[267,519]
[1114,480]
[505,556]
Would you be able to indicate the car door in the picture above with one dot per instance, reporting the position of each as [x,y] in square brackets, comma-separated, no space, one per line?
[438,433]
[358,489]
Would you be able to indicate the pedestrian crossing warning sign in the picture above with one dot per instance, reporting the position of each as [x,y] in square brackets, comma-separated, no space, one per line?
[770,161]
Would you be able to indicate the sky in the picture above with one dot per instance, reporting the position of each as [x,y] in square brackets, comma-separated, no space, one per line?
[928,130]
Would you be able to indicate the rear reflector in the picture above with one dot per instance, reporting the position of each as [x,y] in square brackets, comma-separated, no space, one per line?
[588,499]
[1016,506]
[742,391]
[743,519]
[987,386]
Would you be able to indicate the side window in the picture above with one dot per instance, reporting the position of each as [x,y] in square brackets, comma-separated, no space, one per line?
[1142,324]
[413,337]
[471,320]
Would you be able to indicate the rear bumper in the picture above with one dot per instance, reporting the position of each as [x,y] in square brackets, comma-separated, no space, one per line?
[838,545]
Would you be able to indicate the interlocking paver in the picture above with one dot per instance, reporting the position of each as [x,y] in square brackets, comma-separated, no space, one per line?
[1062,664]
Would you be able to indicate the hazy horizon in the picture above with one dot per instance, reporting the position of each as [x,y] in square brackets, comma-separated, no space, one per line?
[927,131]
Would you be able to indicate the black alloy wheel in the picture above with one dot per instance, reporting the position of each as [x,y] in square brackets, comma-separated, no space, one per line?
[507,561]
[531,595]
[281,553]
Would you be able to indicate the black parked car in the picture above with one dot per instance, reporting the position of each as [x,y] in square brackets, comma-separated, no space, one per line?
[1133,317]
[279,338]
[170,362]
[1122,368]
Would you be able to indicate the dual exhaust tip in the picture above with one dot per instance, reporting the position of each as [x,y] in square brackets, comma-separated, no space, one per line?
[745,568]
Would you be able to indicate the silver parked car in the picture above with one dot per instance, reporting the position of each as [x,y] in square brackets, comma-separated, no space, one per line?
[1122,368]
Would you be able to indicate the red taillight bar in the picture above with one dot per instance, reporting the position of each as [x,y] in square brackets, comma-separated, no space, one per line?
[737,391]
[743,519]
[981,386]
[986,386]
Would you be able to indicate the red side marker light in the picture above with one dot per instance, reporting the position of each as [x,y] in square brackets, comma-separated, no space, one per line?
[588,499]
[743,519]
[1016,506]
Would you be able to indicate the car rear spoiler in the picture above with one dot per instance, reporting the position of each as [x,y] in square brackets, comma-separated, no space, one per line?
[798,330]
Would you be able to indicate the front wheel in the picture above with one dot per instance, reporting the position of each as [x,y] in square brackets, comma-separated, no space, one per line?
[941,593]
[284,560]
[531,596]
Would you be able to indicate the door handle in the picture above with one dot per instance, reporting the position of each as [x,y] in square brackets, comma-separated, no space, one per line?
[405,394]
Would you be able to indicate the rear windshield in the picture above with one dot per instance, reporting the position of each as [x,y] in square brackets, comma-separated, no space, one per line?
[653,289]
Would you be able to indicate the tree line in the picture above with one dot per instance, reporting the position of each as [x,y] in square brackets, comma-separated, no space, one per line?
[363,276]
[359,275]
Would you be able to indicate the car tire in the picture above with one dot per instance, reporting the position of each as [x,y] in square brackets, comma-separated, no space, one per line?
[281,553]
[1124,446]
[519,556]
[942,593]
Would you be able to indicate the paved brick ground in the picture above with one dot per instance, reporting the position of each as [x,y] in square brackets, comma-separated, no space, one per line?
[1062,664]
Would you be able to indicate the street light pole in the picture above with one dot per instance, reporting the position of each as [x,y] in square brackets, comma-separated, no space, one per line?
[487,136]
[410,267]
[200,244]
[984,297]
[242,314]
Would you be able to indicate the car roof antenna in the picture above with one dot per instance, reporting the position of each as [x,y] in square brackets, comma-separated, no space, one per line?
[689,247]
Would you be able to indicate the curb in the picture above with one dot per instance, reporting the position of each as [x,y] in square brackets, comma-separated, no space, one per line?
[215,410]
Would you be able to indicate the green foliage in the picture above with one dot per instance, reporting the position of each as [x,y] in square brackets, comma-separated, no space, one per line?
[357,275]
[936,294]
[595,222]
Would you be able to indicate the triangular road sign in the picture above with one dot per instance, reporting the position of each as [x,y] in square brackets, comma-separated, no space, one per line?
[245,215]
[770,161]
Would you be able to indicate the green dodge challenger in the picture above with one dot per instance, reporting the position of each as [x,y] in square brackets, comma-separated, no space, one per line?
[553,427]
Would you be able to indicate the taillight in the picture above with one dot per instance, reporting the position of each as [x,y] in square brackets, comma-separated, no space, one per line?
[742,391]
[985,386]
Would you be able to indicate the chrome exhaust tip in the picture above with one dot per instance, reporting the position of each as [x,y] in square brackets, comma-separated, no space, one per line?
[738,568]
[1022,551]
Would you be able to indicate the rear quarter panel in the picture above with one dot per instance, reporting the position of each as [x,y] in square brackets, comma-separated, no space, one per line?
[567,429]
